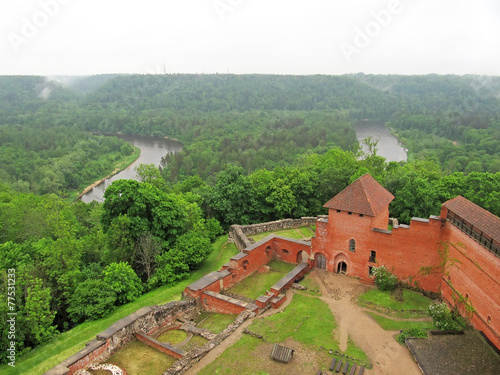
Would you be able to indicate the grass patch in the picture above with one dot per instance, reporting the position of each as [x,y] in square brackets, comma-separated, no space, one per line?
[259,283]
[217,322]
[311,284]
[139,359]
[195,343]
[398,325]
[174,336]
[306,232]
[282,267]
[382,299]
[290,233]
[307,319]
[239,356]
[46,356]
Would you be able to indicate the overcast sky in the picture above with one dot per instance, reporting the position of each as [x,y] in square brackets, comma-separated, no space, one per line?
[83,37]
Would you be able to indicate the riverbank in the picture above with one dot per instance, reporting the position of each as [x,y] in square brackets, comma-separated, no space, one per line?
[75,196]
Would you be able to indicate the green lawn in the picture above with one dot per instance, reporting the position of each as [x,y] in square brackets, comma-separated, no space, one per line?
[195,342]
[174,336]
[140,359]
[45,357]
[259,283]
[382,299]
[397,325]
[307,320]
[217,322]
[298,234]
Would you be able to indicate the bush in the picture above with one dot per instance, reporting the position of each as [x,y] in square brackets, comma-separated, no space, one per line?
[445,319]
[413,332]
[384,279]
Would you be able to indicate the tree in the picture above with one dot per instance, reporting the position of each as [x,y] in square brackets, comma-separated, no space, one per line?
[148,208]
[92,299]
[122,280]
[192,249]
[151,174]
[39,317]
[147,248]
[231,196]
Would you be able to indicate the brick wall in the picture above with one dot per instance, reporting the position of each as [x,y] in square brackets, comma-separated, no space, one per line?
[404,249]
[473,273]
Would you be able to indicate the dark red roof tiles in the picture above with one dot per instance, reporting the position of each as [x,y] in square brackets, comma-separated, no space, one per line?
[364,196]
[478,217]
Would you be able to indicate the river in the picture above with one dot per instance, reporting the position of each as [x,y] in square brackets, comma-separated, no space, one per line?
[152,150]
[388,146]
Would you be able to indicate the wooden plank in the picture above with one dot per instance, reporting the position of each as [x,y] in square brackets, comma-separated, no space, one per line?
[332,364]
[353,369]
[346,367]
[339,366]
[361,370]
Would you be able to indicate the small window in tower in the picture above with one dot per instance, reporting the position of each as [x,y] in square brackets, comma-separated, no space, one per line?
[370,271]
[373,256]
[338,211]
[349,213]
[352,245]
[361,215]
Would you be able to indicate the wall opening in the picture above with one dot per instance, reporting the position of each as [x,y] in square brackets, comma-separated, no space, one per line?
[373,257]
[342,268]
[302,257]
[245,265]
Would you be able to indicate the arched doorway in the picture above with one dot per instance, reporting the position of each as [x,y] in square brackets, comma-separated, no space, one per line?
[302,257]
[342,267]
[320,261]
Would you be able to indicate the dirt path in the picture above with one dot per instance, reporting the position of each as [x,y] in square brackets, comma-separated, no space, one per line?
[387,356]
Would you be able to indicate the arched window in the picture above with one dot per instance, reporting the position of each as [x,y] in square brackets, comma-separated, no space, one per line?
[352,246]
[268,250]
[285,251]
[245,265]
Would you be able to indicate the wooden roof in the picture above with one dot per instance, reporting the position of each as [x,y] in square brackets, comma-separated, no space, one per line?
[364,196]
[281,353]
[478,217]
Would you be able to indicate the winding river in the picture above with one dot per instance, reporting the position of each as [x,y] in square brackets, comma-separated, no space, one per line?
[152,150]
[388,146]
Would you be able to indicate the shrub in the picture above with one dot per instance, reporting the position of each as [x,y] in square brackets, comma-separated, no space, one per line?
[413,332]
[384,279]
[445,319]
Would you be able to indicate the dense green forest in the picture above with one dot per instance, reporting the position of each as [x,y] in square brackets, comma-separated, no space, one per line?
[255,148]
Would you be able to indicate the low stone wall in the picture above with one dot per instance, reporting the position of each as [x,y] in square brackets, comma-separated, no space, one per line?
[238,233]
[147,319]
[160,346]
[195,355]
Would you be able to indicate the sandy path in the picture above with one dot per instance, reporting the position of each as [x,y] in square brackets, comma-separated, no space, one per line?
[387,356]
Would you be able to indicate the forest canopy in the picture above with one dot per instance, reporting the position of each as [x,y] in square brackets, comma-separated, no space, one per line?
[255,148]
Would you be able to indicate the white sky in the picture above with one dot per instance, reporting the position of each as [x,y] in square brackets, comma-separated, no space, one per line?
[82,37]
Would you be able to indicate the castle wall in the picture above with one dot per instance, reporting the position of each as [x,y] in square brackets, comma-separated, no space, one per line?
[404,249]
[472,275]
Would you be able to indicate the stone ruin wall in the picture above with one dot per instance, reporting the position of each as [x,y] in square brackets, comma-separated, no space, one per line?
[238,233]
[147,320]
